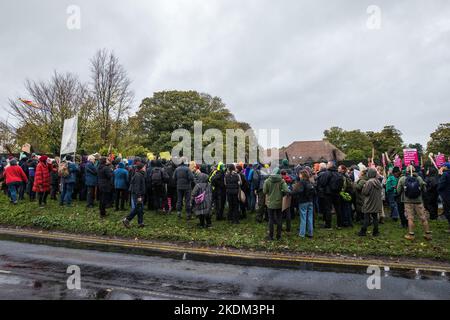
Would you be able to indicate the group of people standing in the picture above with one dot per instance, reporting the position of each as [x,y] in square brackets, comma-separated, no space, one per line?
[355,194]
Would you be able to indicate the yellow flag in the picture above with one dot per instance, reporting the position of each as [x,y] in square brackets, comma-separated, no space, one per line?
[165,155]
[150,156]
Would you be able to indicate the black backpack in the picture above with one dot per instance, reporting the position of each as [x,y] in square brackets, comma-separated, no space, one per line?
[309,189]
[336,182]
[157,177]
[412,188]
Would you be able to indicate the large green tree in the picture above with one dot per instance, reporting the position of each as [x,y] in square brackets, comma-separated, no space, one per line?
[440,140]
[167,111]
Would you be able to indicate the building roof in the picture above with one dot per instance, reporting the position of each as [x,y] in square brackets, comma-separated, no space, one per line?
[311,151]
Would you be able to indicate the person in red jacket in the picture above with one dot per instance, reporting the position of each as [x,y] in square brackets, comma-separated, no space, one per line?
[42,180]
[14,177]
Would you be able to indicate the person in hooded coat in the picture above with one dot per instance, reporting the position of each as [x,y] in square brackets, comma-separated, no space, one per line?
[372,202]
[202,199]
[42,180]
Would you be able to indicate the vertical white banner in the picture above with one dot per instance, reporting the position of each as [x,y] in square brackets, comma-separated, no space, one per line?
[69,136]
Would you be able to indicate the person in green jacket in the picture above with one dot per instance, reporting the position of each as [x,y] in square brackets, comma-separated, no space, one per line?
[274,189]
[391,192]
[411,188]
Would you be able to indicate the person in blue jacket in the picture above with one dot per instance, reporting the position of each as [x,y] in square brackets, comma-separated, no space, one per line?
[90,179]
[120,186]
[68,182]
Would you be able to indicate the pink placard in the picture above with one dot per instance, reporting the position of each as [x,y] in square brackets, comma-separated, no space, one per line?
[440,160]
[410,155]
[398,162]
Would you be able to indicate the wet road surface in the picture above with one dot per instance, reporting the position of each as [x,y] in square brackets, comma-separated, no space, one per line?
[29,271]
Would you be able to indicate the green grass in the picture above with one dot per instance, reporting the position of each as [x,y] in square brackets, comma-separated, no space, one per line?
[248,235]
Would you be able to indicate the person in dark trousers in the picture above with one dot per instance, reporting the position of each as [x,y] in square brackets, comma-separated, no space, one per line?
[137,191]
[219,193]
[444,190]
[105,188]
[54,186]
[275,188]
[245,187]
[232,188]
[68,180]
[171,198]
[184,179]
[91,181]
[14,177]
[431,196]
[120,186]
[286,214]
[391,192]
[32,164]
[158,181]
[372,202]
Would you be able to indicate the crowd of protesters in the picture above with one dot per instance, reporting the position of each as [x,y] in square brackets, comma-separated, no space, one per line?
[355,195]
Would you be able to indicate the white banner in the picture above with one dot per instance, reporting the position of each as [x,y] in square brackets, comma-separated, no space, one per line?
[69,136]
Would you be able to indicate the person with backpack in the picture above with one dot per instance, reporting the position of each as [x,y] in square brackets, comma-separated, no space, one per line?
[373,203]
[120,186]
[137,191]
[410,188]
[275,188]
[148,182]
[14,178]
[431,196]
[232,187]
[171,198]
[346,198]
[330,184]
[32,164]
[91,180]
[67,171]
[158,180]
[202,199]
[252,176]
[304,191]
[444,190]
[183,178]
[42,180]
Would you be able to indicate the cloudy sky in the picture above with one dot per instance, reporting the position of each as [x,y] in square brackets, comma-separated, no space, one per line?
[300,66]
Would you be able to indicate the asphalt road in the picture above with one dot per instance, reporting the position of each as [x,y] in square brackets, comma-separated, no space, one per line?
[30,271]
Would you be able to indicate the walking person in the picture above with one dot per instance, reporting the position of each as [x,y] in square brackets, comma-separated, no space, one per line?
[137,191]
[274,189]
[14,178]
[42,180]
[120,186]
[373,203]
[105,179]
[411,188]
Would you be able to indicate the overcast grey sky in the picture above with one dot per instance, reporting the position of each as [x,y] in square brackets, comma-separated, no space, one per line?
[301,66]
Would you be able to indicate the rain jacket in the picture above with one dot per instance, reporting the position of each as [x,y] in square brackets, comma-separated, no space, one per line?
[274,189]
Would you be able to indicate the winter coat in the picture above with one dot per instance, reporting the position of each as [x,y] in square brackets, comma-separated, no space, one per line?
[42,178]
[14,173]
[274,189]
[105,176]
[401,189]
[90,175]
[359,186]
[444,186]
[299,191]
[137,184]
[183,177]
[121,178]
[202,185]
[232,183]
[371,193]
[322,182]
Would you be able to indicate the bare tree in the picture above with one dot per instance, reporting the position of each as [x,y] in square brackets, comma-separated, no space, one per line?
[111,89]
